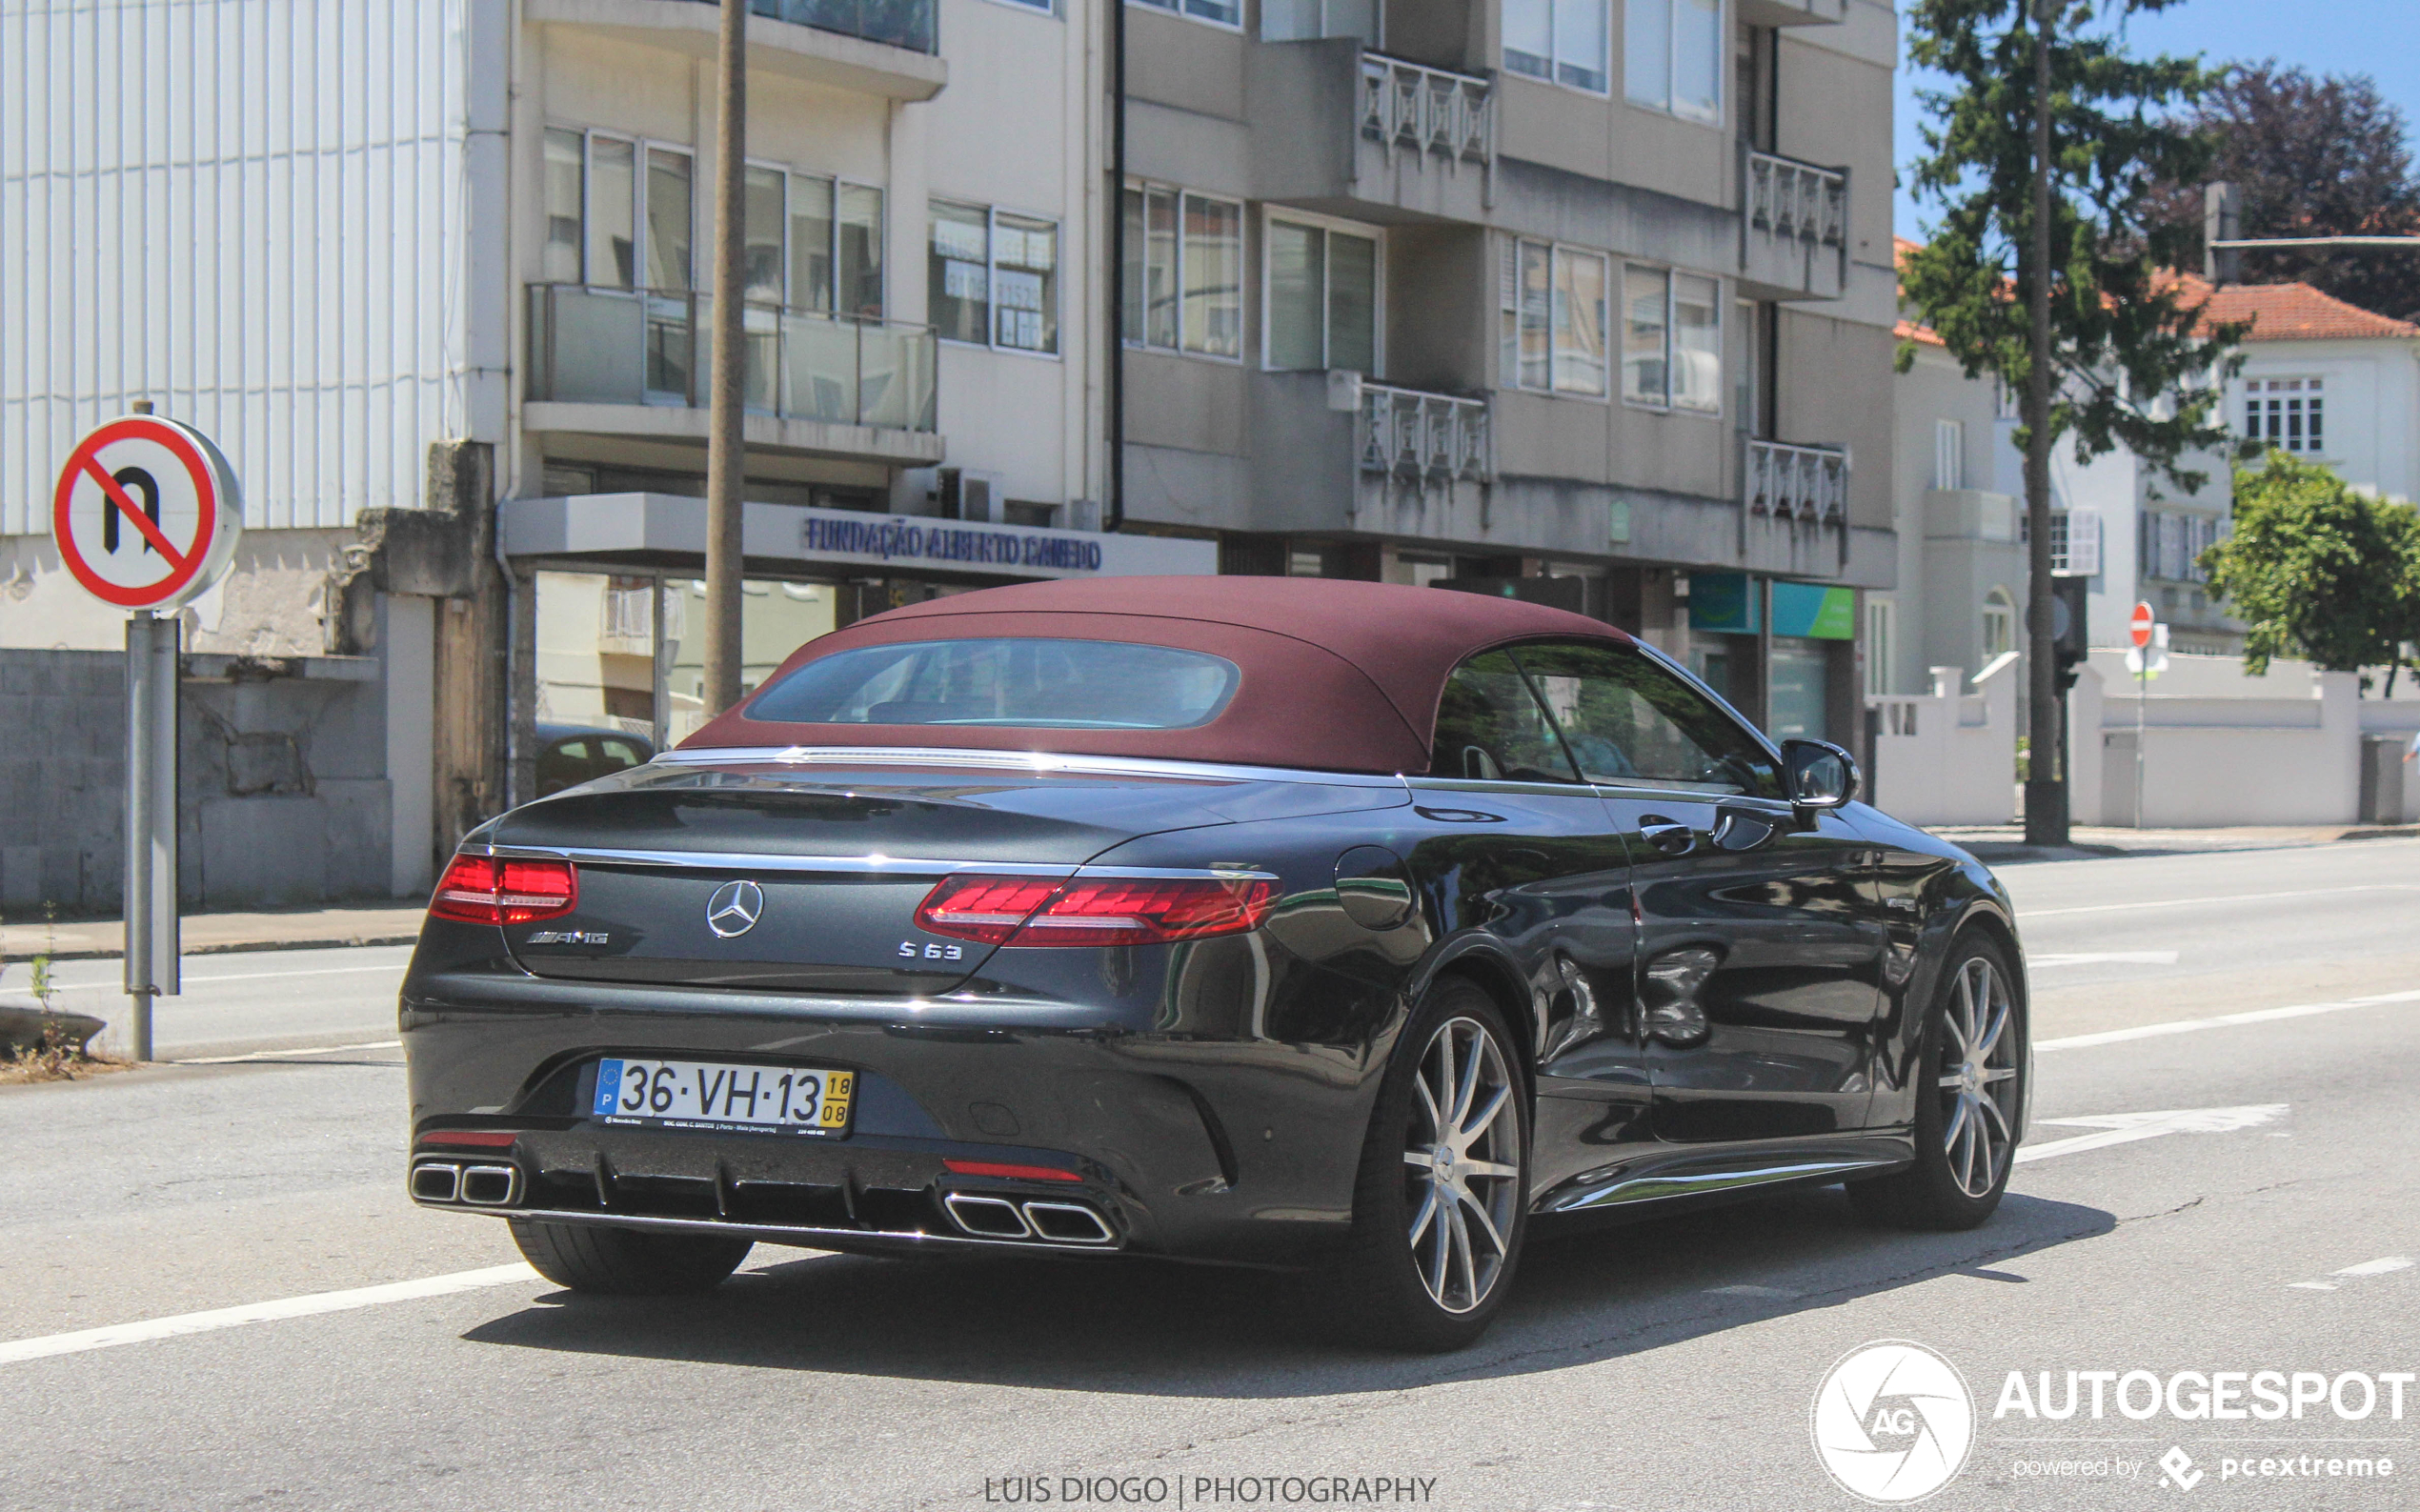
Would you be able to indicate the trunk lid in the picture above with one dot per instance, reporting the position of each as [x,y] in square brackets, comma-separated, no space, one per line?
[831,862]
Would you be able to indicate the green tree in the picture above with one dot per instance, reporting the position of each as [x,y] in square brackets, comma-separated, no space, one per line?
[2318,570]
[2048,268]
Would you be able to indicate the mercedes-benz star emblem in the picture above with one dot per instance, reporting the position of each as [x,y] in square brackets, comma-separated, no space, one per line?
[734,908]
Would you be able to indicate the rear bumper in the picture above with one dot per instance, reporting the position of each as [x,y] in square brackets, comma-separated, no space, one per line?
[1233,1150]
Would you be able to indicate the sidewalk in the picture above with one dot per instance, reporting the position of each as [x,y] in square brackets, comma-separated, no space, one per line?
[207,934]
[2006,843]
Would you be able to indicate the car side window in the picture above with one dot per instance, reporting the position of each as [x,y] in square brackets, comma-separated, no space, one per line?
[615,755]
[1629,721]
[564,764]
[1489,725]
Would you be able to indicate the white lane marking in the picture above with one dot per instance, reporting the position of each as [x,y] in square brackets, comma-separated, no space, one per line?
[2130,957]
[2125,1128]
[2385,1266]
[2231,898]
[2377,1267]
[2187,1026]
[241,975]
[24,1349]
[271,1055]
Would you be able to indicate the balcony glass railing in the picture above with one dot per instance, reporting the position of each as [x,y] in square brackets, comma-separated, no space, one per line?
[1806,483]
[1786,197]
[624,346]
[909,24]
[1426,110]
[1411,435]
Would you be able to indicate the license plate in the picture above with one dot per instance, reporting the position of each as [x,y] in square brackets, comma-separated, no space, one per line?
[707,1095]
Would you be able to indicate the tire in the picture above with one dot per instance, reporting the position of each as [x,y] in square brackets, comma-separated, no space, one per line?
[1968,1105]
[627,1263]
[1435,1243]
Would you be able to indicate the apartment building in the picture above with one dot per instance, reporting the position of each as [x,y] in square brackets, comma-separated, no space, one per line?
[1589,300]
[435,275]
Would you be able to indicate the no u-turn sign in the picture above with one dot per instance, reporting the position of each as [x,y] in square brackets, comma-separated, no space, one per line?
[147,513]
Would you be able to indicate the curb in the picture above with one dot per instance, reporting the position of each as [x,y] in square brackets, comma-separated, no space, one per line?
[224,947]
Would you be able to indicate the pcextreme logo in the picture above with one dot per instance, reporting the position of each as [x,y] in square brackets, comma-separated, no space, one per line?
[1893,1421]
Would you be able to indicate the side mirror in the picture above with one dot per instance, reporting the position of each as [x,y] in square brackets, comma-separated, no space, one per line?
[1818,773]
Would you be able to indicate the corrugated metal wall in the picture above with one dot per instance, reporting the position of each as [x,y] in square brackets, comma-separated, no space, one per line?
[252,212]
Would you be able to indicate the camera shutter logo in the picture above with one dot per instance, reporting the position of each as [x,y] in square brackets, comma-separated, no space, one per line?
[1893,1421]
[734,908]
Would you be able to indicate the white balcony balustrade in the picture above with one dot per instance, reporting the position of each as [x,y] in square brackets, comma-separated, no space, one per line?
[1427,110]
[1809,484]
[1796,200]
[1424,437]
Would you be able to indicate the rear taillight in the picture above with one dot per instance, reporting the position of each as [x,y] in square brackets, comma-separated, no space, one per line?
[504,890]
[1093,911]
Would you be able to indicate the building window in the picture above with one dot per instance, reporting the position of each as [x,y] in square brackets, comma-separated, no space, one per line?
[1555,319]
[1561,40]
[1184,277]
[2171,542]
[2287,414]
[2075,542]
[1672,58]
[812,243]
[1999,625]
[1218,12]
[1671,339]
[1950,453]
[992,278]
[1323,298]
[1881,627]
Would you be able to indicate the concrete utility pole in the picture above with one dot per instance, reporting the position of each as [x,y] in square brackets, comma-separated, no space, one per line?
[726,444]
[2045,792]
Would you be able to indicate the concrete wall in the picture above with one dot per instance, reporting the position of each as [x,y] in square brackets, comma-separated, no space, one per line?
[282,783]
[2214,761]
[1950,756]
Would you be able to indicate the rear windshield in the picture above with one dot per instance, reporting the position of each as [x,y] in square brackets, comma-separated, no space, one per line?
[1052,684]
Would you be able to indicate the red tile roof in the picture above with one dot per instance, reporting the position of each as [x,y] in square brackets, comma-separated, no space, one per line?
[2295,313]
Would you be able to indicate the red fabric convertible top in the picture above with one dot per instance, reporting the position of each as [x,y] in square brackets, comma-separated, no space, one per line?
[1340,676]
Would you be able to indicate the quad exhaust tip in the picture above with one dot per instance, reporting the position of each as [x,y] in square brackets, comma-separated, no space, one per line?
[1000,1218]
[477,1185]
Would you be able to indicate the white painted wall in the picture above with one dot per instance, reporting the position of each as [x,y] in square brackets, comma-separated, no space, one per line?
[260,216]
[1950,756]
[2373,405]
[2215,760]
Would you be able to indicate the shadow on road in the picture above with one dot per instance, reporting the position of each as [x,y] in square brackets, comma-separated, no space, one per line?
[1194,1330]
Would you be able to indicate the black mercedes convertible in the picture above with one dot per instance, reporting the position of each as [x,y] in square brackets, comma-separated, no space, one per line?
[1266,921]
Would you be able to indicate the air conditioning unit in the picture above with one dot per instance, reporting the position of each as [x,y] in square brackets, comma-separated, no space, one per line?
[965,494]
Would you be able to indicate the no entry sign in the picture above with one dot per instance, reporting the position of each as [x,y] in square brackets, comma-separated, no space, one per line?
[147,513]
[2139,626]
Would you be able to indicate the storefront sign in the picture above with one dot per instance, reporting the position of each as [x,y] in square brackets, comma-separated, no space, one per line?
[1727,603]
[890,539]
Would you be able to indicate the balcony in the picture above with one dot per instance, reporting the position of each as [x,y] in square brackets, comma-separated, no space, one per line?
[1421,438]
[635,362]
[1793,226]
[1807,484]
[1349,133]
[887,48]
[1411,108]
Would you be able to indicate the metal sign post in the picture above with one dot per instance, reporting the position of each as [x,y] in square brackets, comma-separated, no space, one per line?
[145,516]
[2148,659]
[152,923]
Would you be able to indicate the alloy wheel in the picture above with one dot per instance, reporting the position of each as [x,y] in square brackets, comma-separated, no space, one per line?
[1978,1079]
[1462,1164]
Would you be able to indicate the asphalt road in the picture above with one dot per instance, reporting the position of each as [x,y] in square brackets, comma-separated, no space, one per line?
[1673,1364]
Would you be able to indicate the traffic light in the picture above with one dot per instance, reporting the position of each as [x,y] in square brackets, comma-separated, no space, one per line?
[2070,629]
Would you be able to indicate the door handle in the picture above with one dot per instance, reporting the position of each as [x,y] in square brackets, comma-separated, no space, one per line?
[1665,835]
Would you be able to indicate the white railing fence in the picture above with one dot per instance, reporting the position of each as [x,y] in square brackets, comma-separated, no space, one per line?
[1806,483]
[1427,110]
[1412,434]
[1786,197]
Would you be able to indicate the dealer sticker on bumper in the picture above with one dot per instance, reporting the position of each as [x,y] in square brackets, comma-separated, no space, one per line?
[704,1095]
